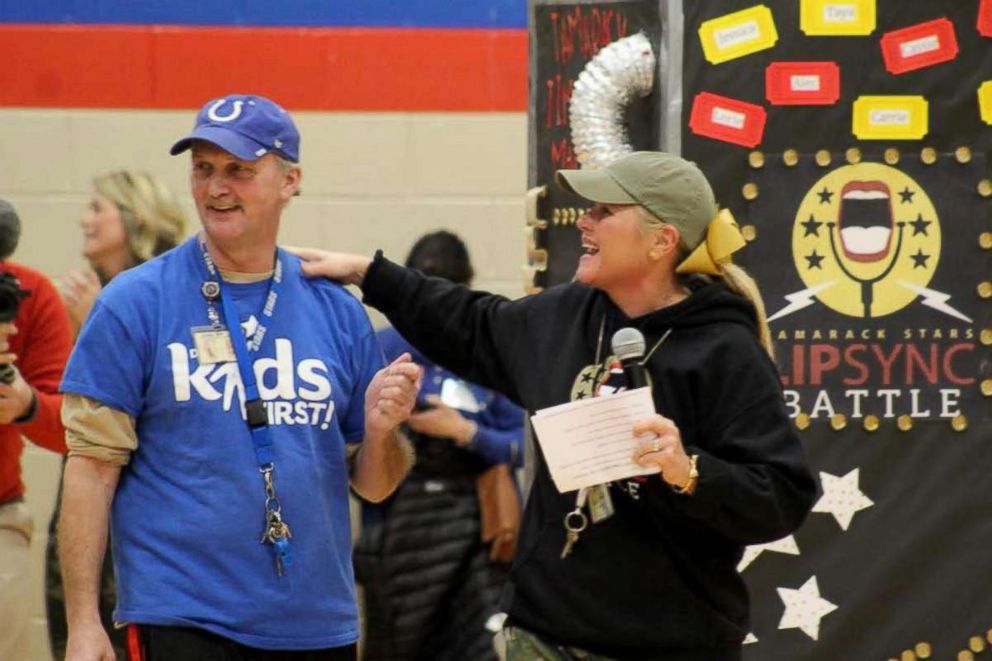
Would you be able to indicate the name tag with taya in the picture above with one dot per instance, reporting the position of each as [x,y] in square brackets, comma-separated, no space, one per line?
[837,18]
[213,345]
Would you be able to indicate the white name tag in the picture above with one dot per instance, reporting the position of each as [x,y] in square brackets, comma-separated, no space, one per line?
[213,345]
[600,503]
[889,117]
[737,35]
[840,13]
[724,117]
[804,83]
[919,46]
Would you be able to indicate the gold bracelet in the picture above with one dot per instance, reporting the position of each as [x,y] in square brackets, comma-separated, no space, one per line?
[690,486]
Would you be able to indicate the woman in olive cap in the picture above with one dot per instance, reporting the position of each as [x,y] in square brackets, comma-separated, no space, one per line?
[655,577]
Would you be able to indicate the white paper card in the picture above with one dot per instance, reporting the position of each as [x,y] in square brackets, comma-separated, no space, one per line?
[591,441]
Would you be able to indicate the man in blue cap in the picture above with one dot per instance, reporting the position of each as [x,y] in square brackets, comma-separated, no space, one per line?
[214,405]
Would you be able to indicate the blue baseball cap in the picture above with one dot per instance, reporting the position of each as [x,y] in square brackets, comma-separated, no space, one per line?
[247,126]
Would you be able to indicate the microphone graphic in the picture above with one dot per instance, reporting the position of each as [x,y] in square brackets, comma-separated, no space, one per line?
[628,346]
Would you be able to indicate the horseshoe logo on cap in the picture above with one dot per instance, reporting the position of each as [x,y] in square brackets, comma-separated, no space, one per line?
[230,117]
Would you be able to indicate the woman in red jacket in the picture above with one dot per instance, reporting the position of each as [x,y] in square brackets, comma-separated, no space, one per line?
[34,346]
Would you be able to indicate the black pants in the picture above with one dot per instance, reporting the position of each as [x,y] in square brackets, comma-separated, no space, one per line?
[153,643]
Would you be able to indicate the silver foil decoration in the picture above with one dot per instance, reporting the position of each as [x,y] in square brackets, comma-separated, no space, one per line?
[615,76]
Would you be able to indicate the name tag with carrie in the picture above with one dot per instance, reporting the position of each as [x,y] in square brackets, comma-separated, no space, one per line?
[213,345]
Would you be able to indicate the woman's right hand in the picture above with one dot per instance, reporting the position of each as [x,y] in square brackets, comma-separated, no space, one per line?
[349,269]
[79,290]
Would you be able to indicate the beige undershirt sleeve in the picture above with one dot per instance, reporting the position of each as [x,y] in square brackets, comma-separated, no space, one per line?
[97,431]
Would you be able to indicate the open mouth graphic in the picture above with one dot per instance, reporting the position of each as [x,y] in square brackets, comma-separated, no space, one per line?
[865,220]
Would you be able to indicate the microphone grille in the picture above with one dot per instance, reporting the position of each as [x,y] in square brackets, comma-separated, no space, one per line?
[628,343]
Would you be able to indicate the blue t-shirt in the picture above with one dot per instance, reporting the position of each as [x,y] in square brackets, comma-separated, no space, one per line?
[500,423]
[188,512]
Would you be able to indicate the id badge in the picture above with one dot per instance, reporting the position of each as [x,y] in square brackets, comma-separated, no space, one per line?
[600,503]
[213,345]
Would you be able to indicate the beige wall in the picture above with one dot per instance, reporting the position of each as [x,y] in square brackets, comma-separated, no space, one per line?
[370,181]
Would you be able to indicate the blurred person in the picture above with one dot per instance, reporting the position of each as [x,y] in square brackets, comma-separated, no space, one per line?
[34,344]
[652,573]
[431,573]
[131,217]
[208,403]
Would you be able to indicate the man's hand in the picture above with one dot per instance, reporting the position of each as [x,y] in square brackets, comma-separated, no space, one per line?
[390,397]
[16,398]
[442,421]
[385,458]
[79,290]
[89,644]
[349,269]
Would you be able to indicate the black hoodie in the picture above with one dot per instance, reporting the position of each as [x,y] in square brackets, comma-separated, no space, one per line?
[658,579]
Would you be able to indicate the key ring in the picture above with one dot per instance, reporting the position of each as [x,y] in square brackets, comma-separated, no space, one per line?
[580,526]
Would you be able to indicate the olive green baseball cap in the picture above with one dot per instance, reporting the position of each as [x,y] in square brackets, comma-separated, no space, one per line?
[668,186]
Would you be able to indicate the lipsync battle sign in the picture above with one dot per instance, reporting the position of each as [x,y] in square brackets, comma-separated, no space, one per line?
[877,310]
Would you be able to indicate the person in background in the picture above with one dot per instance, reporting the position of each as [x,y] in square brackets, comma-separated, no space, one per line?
[131,217]
[645,567]
[431,573]
[35,340]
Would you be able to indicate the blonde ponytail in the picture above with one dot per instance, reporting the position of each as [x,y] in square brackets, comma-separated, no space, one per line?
[738,281]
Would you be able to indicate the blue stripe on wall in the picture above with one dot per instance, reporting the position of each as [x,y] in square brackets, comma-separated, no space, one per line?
[340,13]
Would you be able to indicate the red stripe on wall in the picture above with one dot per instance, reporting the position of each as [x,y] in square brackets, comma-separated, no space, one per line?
[304,69]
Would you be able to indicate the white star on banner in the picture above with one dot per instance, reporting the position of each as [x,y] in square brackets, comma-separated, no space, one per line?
[785,545]
[842,497]
[804,608]
[750,638]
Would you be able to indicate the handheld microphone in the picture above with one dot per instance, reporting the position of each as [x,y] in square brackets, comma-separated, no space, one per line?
[628,346]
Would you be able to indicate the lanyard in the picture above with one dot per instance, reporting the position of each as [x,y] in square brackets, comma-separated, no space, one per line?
[276,530]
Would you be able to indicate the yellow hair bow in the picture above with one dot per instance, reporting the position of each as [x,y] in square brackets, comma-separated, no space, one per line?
[723,239]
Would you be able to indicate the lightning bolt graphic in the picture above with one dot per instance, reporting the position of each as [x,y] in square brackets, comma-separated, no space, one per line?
[800,299]
[935,299]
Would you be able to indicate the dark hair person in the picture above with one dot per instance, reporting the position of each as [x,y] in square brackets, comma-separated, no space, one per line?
[655,577]
[433,558]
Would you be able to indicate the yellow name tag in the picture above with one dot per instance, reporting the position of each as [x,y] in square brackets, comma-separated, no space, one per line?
[738,34]
[837,18]
[213,345]
[890,117]
[985,101]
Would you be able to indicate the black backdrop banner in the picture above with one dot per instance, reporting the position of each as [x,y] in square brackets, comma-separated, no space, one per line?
[565,36]
[873,256]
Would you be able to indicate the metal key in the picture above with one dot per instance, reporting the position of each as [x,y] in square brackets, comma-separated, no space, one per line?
[575,523]
[277,533]
[275,530]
